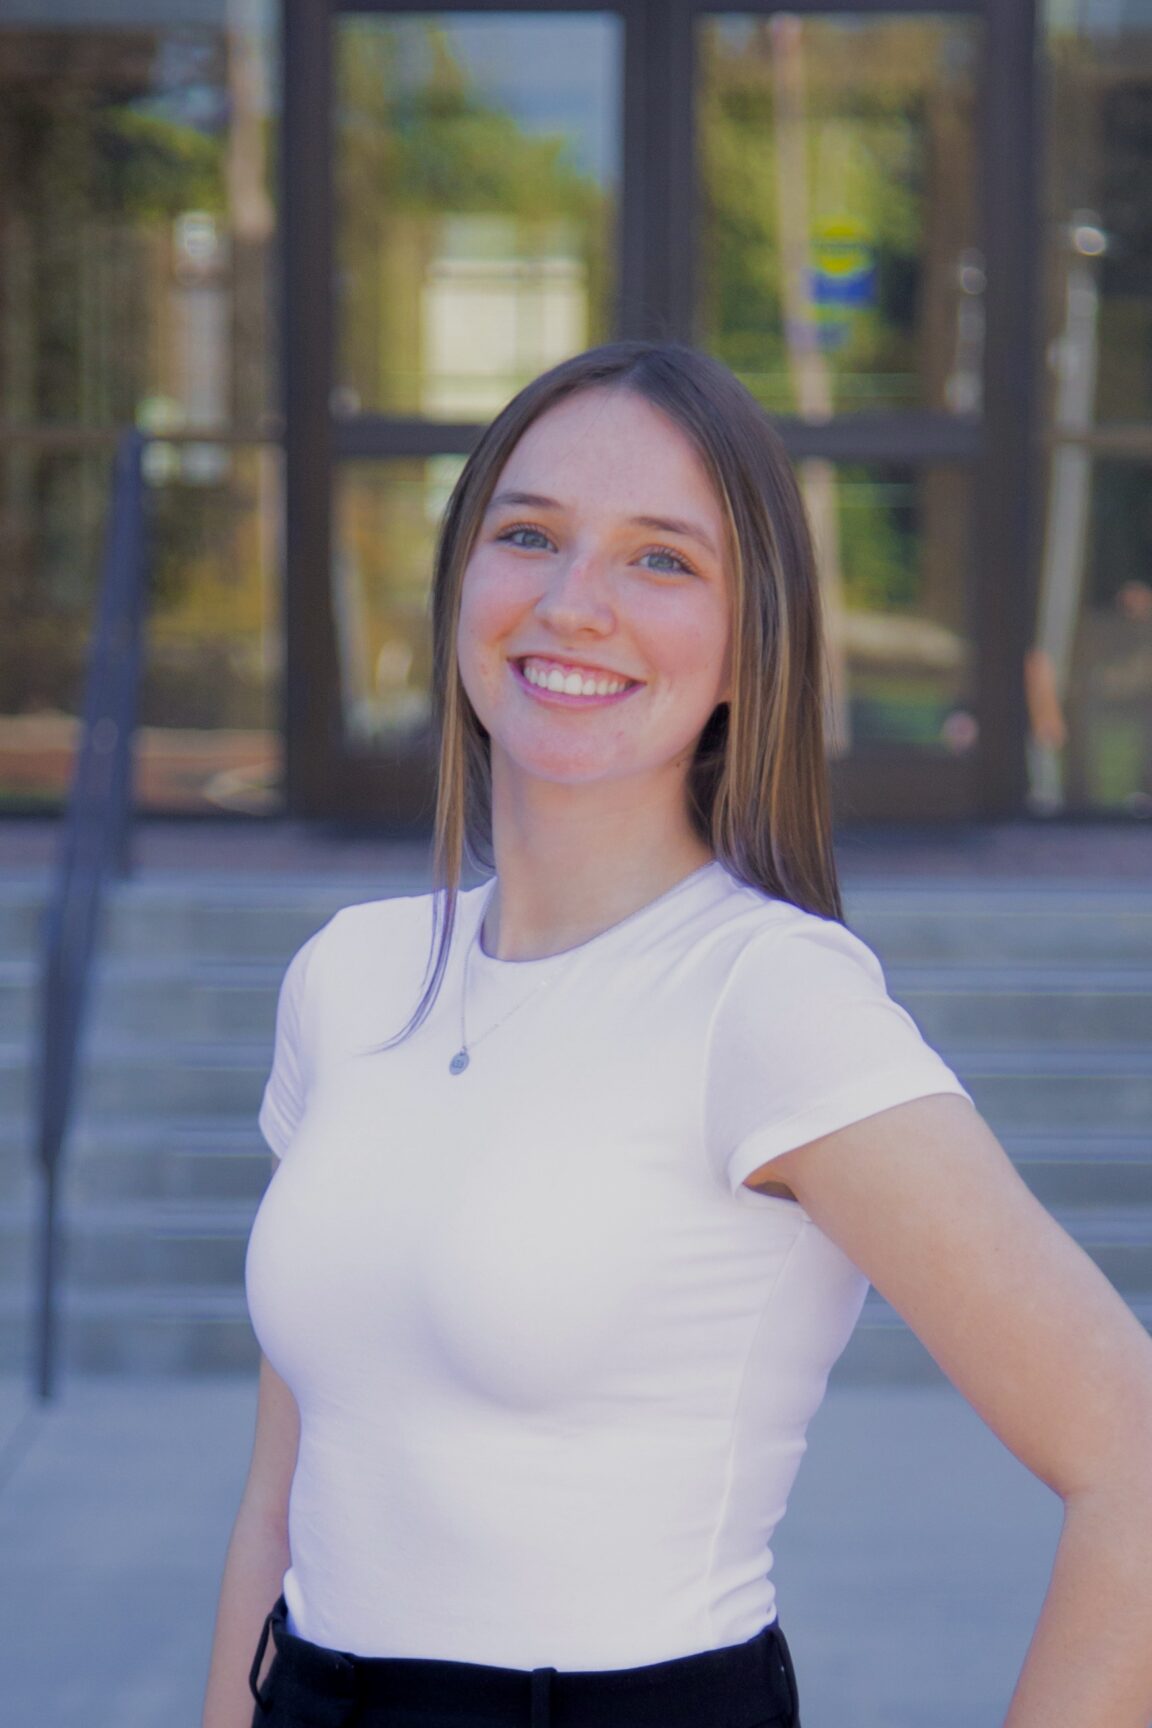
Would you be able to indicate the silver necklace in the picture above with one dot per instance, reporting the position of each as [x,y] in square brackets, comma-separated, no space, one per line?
[462,1057]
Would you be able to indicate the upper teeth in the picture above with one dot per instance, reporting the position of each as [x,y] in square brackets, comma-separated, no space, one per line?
[570,683]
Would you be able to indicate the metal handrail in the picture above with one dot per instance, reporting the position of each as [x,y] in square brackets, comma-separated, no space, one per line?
[93,844]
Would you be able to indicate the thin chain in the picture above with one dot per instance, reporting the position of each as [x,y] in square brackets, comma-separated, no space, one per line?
[462,1057]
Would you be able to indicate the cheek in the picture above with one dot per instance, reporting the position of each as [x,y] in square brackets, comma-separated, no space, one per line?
[489,609]
[698,645]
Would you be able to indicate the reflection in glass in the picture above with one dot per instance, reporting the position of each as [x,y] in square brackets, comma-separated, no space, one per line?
[137,231]
[839,261]
[891,549]
[898,637]
[386,517]
[209,736]
[477,163]
[136,215]
[1089,671]
[1099,203]
[1090,667]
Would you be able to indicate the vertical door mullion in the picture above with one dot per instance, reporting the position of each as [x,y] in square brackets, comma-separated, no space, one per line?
[1004,526]
[635,189]
[311,671]
[659,201]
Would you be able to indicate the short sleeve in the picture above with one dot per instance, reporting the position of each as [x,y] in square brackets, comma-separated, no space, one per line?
[806,1039]
[284,1094]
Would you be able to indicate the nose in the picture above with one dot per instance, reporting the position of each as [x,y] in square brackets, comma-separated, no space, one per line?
[578,596]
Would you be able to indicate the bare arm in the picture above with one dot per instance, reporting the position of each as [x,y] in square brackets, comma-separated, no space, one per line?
[925,1201]
[257,1556]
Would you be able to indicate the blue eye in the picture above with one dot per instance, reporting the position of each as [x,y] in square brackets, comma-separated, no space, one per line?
[510,533]
[666,552]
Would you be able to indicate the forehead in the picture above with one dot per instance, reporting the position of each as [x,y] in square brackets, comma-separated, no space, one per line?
[614,448]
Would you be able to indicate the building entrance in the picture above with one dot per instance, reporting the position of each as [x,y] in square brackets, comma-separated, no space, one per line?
[473,194]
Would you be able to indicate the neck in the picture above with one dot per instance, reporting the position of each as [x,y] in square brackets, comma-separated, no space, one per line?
[572,861]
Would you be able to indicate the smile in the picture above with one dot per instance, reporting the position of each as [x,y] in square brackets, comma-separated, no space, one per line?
[573,686]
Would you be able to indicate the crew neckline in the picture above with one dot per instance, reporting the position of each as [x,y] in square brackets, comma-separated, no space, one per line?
[481,955]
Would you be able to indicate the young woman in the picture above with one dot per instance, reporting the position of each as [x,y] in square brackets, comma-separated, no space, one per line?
[586,1170]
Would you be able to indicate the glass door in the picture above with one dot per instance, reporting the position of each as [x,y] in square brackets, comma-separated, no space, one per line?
[842,273]
[1090,663]
[472,194]
[474,178]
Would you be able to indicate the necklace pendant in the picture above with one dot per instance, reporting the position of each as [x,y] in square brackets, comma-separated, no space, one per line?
[459,1062]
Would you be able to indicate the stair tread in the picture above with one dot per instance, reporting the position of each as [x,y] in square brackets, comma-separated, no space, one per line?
[1101,1221]
[1027,1057]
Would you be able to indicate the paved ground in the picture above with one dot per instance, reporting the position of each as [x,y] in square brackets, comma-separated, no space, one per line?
[911,1565]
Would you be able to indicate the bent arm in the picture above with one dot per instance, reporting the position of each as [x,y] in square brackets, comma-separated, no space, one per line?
[925,1201]
[257,1557]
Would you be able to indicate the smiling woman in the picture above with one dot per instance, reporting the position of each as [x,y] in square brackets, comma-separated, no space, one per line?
[549,1281]
[551,609]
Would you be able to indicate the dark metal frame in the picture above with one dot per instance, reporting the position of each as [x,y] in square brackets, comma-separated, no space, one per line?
[93,846]
[655,298]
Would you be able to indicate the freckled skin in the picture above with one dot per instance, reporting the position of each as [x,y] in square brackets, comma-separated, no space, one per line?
[585,583]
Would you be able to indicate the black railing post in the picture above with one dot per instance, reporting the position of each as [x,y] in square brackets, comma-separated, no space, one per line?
[94,840]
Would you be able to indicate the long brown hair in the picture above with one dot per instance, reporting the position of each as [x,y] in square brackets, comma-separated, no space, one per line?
[758,783]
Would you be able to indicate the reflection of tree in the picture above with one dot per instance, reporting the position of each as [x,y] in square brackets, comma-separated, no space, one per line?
[98,159]
[426,168]
[1088,670]
[147,168]
[805,122]
[418,143]
[88,175]
[879,109]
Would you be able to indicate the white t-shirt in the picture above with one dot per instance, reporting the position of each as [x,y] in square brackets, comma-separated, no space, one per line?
[554,1363]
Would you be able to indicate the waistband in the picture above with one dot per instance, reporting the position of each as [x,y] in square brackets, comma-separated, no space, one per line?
[750,1685]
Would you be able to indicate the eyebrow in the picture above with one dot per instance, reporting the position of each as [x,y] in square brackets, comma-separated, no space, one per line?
[665,524]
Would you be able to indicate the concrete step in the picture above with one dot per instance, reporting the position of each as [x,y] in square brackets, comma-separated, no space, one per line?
[170,1326]
[220,1159]
[1036,1088]
[228,919]
[883,1350]
[169,1330]
[1031,1087]
[267,917]
[152,1158]
[201,1001]
[22,903]
[1000,923]
[1041,998]
[137,1244]
[1084,1170]
[1018,1006]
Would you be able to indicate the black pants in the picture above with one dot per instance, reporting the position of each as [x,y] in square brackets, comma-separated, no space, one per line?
[749,1685]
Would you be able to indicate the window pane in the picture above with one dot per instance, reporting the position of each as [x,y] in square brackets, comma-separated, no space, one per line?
[839,264]
[209,736]
[386,517]
[1090,670]
[477,167]
[136,213]
[1099,242]
[892,557]
[892,552]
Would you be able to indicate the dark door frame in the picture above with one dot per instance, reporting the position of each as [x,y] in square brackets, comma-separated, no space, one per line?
[324,777]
